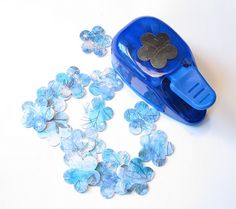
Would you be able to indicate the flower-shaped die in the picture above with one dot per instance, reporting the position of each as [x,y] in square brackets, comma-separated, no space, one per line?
[155,148]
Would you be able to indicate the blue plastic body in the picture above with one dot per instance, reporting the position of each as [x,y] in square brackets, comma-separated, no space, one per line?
[178,89]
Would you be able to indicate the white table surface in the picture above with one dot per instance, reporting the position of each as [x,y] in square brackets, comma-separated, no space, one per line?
[41,38]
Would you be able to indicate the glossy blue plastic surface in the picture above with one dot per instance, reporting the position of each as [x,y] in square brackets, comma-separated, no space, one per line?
[178,89]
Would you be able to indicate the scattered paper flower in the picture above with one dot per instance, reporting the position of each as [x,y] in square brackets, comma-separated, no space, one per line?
[105,83]
[155,148]
[141,118]
[97,115]
[108,171]
[95,41]
[134,177]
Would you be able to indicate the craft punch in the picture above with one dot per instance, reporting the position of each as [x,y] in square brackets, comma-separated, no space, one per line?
[158,65]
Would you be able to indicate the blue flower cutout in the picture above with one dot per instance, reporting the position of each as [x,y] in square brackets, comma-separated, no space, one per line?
[74,80]
[105,84]
[134,177]
[37,114]
[95,41]
[82,178]
[97,115]
[155,148]
[141,118]
[107,170]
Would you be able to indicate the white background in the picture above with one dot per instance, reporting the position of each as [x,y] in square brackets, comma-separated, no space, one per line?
[41,38]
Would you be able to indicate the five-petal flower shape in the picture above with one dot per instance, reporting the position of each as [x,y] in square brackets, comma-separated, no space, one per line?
[155,148]
[95,41]
[141,118]
[105,83]
[134,177]
[108,170]
[98,114]
[157,49]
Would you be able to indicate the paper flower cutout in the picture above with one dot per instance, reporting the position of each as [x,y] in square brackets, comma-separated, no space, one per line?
[105,84]
[155,148]
[97,115]
[108,180]
[81,179]
[157,49]
[134,177]
[95,41]
[37,114]
[74,80]
[107,170]
[141,118]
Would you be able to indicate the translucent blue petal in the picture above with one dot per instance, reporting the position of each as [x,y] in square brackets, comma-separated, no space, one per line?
[41,101]
[98,30]
[141,107]
[106,114]
[130,115]
[73,70]
[77,91]
[39,124]
[42,92]
[135,127]
[141,189]
[94,89]
[100,51]
[107,41]
[49,114]
[145,155]
[87,47]
[63,78]
[84,35]
[85,79]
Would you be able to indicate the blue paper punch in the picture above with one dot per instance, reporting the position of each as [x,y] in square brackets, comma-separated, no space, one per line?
[158,65]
